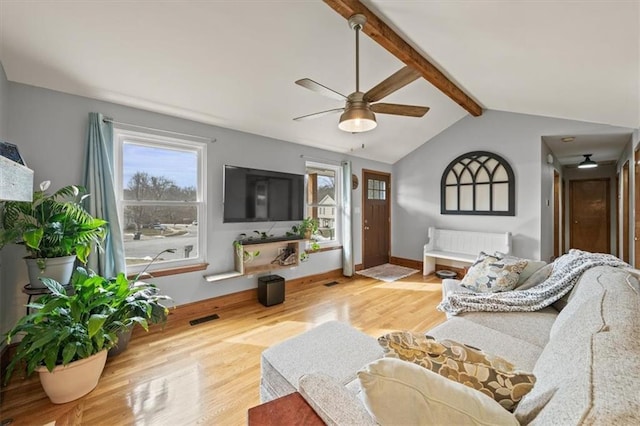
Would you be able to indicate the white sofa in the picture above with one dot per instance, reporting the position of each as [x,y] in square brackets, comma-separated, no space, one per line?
[586,358]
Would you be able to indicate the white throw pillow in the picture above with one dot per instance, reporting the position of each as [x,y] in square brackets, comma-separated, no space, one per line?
[491,274]
[399,392]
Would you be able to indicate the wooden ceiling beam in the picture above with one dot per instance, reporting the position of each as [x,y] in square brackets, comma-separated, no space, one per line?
[382,34]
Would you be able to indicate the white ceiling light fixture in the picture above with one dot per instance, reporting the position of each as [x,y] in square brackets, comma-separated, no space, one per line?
[587,163]
[568,139]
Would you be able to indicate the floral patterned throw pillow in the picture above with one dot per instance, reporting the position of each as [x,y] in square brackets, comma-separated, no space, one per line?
[491,274]
[492,375]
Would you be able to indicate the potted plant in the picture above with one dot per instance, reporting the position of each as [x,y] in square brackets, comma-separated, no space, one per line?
[307,228]
[246,255]
[147,303]
[55,229]
[67,338]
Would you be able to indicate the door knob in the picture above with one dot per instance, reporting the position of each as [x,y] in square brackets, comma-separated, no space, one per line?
[366,228]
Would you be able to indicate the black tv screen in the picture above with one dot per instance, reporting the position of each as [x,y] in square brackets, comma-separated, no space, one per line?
[252,195]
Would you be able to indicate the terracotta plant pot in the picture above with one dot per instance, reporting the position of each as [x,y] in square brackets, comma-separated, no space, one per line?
[74,380]
[57,268]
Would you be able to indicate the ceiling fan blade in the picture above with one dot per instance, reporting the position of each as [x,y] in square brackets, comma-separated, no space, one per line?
[319,88]
[397,109]
[394,82]
[318,114]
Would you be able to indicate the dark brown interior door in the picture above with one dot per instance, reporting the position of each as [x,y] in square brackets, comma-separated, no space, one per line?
[376,230]
[590,226]
[626,247]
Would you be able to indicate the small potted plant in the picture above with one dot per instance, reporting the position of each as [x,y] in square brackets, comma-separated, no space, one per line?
[55,229]
[67,338]
[307,228]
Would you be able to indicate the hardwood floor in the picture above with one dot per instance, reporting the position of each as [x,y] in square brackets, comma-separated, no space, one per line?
[210,373]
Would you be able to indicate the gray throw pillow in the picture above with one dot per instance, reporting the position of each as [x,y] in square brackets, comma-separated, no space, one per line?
[538,277]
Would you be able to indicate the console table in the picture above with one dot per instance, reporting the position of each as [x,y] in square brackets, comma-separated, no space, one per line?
[290,410]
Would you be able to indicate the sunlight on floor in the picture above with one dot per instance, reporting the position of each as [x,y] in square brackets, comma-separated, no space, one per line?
[411,285]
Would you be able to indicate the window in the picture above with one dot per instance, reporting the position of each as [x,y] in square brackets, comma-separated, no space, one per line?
[323,195]
[160,186]
[377,189]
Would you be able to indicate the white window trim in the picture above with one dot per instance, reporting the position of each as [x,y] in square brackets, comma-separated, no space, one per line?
[122,135]
[338,199]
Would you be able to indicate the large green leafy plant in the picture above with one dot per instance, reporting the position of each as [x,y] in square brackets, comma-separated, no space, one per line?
[69,327]
[53,225]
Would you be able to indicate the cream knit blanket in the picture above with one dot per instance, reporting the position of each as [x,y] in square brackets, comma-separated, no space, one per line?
[567,270]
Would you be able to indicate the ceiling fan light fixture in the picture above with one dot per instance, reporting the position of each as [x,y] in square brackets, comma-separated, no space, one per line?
[587,163]
[357,120]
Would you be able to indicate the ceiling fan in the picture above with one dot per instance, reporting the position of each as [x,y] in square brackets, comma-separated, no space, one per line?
[358,112]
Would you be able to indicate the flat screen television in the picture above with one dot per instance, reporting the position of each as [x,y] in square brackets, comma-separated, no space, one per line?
[252,195]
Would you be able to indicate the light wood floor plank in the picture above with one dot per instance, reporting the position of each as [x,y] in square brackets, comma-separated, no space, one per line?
[210,373]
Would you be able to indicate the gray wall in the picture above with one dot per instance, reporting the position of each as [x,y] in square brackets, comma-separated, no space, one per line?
[517,138]
[50,128]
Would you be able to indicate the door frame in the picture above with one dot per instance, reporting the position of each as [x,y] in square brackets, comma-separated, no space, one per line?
[636,207]
[626,192]
[364,200]
[558,213]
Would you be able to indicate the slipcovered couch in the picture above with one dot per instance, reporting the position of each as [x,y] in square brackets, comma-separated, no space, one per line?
[586,358]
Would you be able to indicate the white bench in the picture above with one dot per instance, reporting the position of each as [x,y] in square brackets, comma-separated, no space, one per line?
[462,246]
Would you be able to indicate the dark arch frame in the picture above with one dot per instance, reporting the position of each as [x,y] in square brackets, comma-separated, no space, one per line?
[481,158]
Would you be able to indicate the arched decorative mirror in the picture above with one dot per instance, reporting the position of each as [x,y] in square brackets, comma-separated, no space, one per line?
[478,183]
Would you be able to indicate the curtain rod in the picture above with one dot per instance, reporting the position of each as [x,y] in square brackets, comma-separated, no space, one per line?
[112,121]
[326,160]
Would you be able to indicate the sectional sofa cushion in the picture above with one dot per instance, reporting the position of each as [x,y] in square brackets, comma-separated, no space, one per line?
[532,327]
[492,375]
[519,352]
[592,359]
[396,392]
[490,274]
[334,348]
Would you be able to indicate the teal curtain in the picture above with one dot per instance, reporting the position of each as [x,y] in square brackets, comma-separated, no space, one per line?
[99,179]
[347,239]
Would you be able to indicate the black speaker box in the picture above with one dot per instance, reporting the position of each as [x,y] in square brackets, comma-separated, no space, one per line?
[271,290]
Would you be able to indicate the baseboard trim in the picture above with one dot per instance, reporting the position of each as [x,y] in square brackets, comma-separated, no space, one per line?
[408,263]
[189,311]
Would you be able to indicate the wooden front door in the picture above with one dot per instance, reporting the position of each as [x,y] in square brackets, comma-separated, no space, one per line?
[376,218]
[590,226]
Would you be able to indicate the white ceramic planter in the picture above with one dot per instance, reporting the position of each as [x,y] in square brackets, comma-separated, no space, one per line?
[57,268]
[72,381]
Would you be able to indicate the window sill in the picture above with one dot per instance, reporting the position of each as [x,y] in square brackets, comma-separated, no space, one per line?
[174,271]
[325,248]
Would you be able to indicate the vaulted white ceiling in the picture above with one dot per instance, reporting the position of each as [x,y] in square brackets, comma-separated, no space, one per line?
[233,64]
